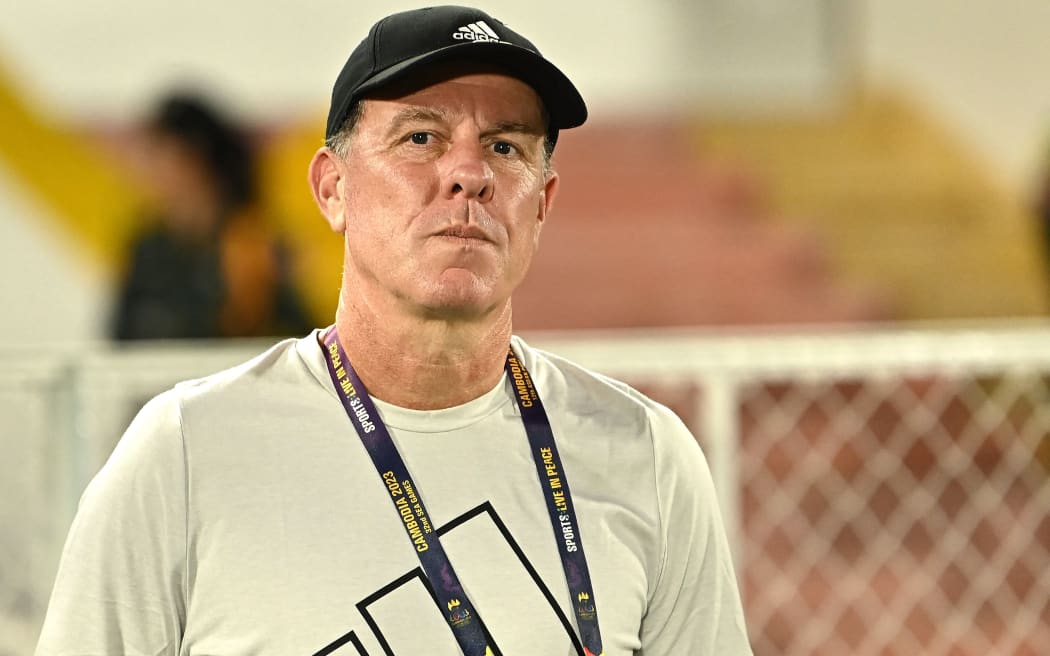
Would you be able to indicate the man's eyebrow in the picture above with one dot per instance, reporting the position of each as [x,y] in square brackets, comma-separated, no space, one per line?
[410,115]
[514,127]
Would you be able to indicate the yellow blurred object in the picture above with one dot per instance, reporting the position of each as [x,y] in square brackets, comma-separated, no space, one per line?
[78,182]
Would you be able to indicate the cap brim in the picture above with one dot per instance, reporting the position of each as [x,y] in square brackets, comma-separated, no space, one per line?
[563,102]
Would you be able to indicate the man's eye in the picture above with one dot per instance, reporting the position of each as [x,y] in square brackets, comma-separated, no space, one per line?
[503,148]
[420,138]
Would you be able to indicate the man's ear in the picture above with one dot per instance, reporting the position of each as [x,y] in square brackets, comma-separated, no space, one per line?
[550,190]
[327,175]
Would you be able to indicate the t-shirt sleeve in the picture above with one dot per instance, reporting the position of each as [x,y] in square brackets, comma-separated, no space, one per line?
[121,580]
[695,606]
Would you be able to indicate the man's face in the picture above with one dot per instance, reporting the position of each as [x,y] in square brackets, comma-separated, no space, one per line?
[445,191]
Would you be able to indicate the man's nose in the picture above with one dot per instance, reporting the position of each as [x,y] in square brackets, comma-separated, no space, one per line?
[469,173]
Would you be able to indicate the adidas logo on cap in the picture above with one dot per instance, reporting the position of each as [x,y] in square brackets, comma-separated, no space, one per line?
[479,31]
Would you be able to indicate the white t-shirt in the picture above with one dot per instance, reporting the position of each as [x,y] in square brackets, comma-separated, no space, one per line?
[240,514]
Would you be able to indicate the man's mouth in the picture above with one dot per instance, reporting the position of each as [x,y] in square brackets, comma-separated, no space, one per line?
[464,232]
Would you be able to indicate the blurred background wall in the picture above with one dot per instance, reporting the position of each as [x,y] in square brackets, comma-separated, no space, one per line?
[841,160]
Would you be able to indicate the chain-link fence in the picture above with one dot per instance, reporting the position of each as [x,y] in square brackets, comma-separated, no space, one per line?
[885,493]
[897,515]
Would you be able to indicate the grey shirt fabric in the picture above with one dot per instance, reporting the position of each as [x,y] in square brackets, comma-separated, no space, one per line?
[240,514]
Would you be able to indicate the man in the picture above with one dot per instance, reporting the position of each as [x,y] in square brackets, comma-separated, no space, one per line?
[413,480]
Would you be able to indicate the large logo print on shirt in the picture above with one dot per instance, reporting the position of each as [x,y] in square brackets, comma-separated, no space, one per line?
[386,626]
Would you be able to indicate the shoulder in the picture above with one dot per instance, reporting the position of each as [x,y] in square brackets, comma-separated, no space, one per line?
[568,387]
[230,413]
[284,366]
[241,397]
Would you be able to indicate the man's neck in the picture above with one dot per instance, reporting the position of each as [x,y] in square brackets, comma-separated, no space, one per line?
[424,364]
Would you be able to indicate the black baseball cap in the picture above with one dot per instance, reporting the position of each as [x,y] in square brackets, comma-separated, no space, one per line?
[404,42]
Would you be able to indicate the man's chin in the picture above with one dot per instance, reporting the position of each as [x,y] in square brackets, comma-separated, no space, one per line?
[462,294]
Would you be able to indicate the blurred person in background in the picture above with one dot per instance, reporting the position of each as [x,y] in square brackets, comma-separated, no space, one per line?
[205,264]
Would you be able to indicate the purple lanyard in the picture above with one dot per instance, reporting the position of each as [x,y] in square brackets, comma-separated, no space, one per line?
[466,624]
